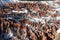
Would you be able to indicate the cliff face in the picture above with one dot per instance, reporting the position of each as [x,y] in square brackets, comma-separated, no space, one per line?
[29,20]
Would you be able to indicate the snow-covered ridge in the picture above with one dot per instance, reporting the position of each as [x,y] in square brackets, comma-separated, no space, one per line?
[23,11]
[9,1]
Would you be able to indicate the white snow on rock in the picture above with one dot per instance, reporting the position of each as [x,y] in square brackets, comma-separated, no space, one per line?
[14,11]
[33,11]
[42,20]
[36,19]
[57,18]
[51,12]
[10,1]
[58,31]
[44,2]
[21,11]
[47,18]
[56,5]
[9,35]
[58,9]
[51,3]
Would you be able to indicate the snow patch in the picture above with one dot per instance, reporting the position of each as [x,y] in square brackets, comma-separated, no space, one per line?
[57,18]
[58,31]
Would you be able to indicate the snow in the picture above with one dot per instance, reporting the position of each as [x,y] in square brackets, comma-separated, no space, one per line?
[56,5]
[51,3]
[23,11]
[58,9]
[27,24]
[58,31]
[32,20]
[51,12]
[14,11]
[36,19]
[44,2]
[10,1]
[33,11]
[42,20]
[57,18]
[47,18]
[8,35]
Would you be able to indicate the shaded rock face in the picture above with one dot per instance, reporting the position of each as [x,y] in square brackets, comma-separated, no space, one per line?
[29,21]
